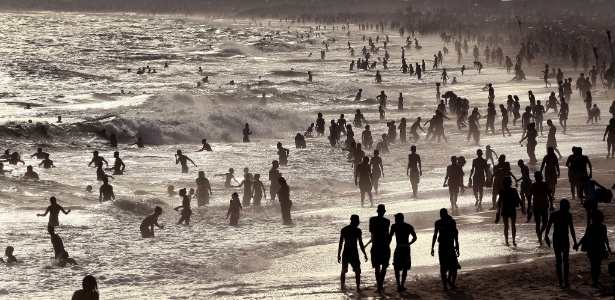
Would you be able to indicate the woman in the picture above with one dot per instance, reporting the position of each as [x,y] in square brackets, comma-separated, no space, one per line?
[203,190]
[89,291]
[508,202]
[402,130]
[504,120]
[282,154]
[596,243]
[233,210]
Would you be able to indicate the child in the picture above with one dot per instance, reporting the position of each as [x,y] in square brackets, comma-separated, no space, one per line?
[258,190]
[186,210]
[228,176]
[10,258]
[247,189]
[233,210]
[309,131]
[489,154]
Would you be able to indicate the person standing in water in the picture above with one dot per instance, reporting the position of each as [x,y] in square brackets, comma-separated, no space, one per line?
[414,170]
[550,166]
[401,257]
[46,163]
[285,203]
[96,160]
[186,210]
[39,154]
[380,252]
[234,210]
[478,176]
[206,146]
[203,190]
[445,231]
[247,189]
[246,133]
[258,190]
[364,176]
[350,236]
[282,154]
[118,166]
[89,290]
[563,228]
[106,191]
[508,201]
[53,210]
[147,226]
[377,169]
[274,175]
[180,158]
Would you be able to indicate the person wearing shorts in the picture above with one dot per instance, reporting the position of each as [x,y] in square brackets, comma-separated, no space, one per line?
[541,193]
[350,240]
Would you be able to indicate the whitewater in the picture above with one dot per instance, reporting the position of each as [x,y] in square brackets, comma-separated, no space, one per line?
[77,66]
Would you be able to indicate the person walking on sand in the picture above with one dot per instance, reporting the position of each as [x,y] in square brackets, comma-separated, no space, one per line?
[445,232]
[414,170]
[508,201]
[54,210]
[454,180]
[380,252]
[478,176]
[350,238]
[401,258]
[563,228]
[596,243]
[542,197]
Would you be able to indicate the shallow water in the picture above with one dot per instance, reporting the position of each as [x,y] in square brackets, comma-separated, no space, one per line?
[75,66]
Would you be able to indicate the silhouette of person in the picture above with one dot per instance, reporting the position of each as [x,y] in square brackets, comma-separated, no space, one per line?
[609,137]
[282,154]
[39,154]
[285,202]
[100,173]
[246,133]
[30,174]
[445,231]
[542,197]
[106,191]
[147,226]
[89,289]
[10,258]
[53,210]
[594,242]
[247,189]
[550,166]
[113,140]
[206,146]
[203,190]
[274,175]
[258,190]
[414,169]
[138,142]
[563,228]
[377,169]
[380,252]
[118,166]
[234,210]
[401,257]
[350,236]
[531,135]
[364,176]
[478,176]
[96,160]
[186,210]
[579,164]
[508,201]
[454,180]
[180,158]
[46,163]
[228,177]
[590,196]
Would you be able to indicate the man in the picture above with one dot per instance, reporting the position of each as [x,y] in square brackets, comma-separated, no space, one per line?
[448,248]
[526,183]
[96,160]
[183,160]
[349,238]
[106,191]
[542,195]
[380,253]
[39,154]
[414,170]
[550,166]
[454,179]
[58,248]
[579,164]
[30,174]
[478,175]
[147,226]
[401,257]
[274,174]
[364,175]
[561,221]
[53,210]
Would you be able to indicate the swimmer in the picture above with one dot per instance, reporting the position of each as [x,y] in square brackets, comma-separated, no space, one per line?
[247,189]
[258,190]
[106,191]
[30,174]
[54,210]
[47,163]
[186,210]
[88,188]
[100,173]
[206,146]
[59,119]
[89,290]
[203,190]
[228,177]
[180,158]
[171,191]
[10,258]
[39,154]
[147,226]
[282,154]
[58,248]
[118,166]
[233,210]
[138,142]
